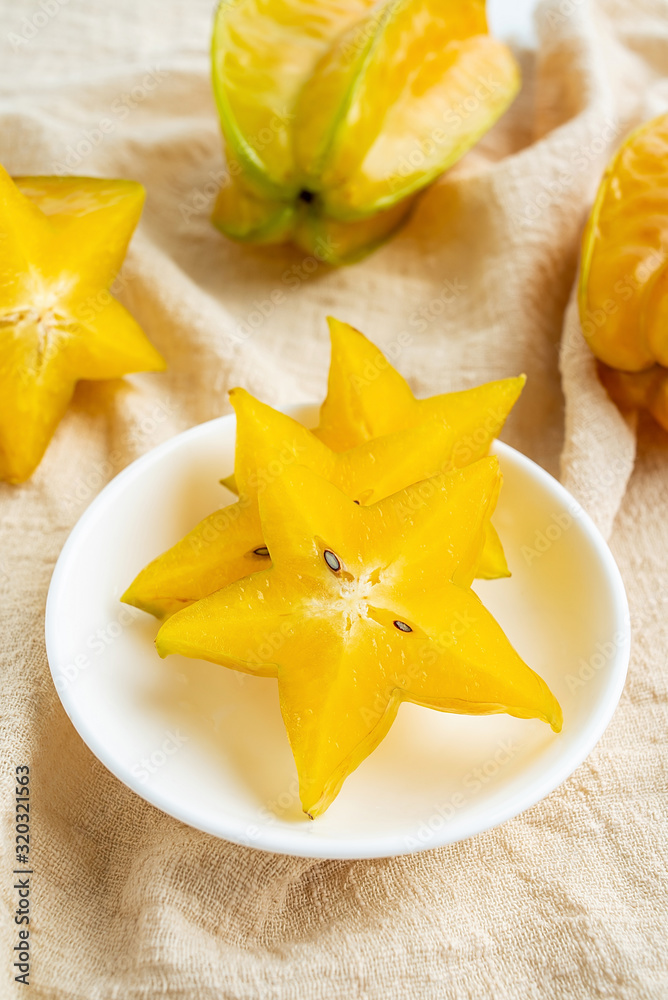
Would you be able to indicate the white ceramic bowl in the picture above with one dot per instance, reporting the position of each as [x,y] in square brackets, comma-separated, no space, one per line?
[207,745]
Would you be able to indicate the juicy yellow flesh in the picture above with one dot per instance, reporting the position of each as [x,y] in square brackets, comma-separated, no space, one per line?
[492,564]
[63,242]
[623,290]
[346,573]
[343,665]
[222,547]
[367,398]
[374,438]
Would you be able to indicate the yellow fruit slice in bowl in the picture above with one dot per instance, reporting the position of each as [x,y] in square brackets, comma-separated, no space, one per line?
[375,608]
[234,775]
[367,397]
[623,288]
[229,544]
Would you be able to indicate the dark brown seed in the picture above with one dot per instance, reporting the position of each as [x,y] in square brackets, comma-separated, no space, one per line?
[261,550]
[402,626]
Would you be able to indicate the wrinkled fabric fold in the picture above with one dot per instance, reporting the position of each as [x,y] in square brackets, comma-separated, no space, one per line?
[566,899]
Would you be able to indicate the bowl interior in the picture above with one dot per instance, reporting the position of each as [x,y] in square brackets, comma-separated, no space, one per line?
[207,745]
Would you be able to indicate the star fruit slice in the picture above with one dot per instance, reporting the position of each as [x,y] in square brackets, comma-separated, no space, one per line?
[363,608]
[63,240]
[334,116]
[623,287]
[229,544]
[368,398]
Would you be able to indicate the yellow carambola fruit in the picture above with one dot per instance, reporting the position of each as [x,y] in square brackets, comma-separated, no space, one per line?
[384,440]
[229,543]
[62,242]
[374,607]
[646,390]
[623,288]
[336,114]
[368,398]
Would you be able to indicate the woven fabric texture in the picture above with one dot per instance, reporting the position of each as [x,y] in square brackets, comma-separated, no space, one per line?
[569,899]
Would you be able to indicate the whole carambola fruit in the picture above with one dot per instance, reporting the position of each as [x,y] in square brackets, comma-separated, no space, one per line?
[623,289]
[335,114]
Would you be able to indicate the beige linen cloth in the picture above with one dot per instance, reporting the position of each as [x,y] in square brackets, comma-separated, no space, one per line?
[566,901]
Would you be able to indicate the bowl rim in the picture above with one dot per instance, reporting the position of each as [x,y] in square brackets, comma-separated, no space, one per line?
[283,841]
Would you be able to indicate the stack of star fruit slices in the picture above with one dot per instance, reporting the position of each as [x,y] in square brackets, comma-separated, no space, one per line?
[357,544]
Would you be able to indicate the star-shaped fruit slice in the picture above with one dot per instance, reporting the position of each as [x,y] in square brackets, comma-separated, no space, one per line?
[62,242]
[229,544]
[363,608]
[367,397]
